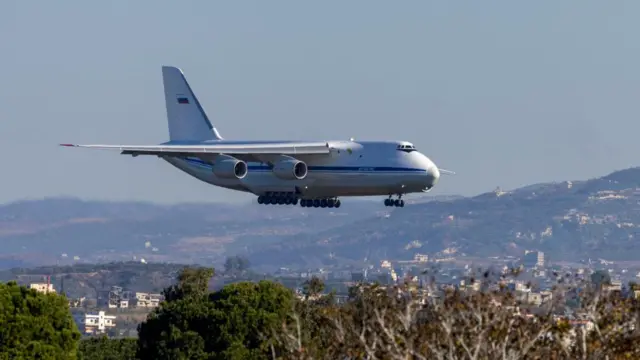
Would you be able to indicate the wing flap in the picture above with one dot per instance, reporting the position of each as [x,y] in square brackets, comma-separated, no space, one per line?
[239,149]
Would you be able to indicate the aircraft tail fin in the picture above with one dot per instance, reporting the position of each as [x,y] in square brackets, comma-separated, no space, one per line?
[187,119]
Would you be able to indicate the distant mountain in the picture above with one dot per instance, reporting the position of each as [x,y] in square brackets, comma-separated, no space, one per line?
[57,230]
[571,220]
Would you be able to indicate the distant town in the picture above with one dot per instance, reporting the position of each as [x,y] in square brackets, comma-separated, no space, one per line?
[116,311]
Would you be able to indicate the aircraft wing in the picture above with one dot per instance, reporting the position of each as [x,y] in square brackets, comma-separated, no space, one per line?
[302,148]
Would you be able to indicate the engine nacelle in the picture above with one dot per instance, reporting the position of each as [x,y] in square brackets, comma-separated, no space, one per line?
[289,168]
[228,167]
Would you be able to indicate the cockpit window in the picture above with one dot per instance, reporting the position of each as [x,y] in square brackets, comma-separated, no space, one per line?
[406,148]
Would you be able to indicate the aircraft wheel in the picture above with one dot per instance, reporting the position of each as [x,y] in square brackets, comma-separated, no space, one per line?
[287,201]
[294,201]
[273,200]
[316,203]
[401,203]
[323,203]
[331,203]
[387,202]
[337,203]
[260,200]
[396,203]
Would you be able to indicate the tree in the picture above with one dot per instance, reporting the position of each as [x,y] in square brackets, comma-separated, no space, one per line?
[103,348]
[192,282]
[313,287]
[246,315]
[35,325]
[400,322]
[265,321]
[236,264]
[236,322]
[600,277]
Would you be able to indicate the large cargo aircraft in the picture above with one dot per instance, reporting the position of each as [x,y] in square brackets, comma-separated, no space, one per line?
[313,173]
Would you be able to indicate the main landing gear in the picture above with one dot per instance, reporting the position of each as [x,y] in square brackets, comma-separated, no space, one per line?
[397,202]
[278,199]
[286,198]
[323,203]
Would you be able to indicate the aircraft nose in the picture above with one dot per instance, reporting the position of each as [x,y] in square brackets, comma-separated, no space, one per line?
[432,173]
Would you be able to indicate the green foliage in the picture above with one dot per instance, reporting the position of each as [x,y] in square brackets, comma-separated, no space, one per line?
[313,287]
[247,314]
[264,320]
[236,264]
[236,322]
[103,348]
[600,277]
[192,283]
[34,325]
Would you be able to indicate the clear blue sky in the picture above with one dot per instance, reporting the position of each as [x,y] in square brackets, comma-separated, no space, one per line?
[505,93]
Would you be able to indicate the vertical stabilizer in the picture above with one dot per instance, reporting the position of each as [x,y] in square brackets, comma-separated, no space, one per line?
[187,119]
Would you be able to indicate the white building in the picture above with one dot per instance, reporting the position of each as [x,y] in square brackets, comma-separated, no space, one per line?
[98,323]
[147,300]
[116,298]
[42,287]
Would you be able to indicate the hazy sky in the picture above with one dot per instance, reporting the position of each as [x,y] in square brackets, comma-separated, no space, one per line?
[505,93]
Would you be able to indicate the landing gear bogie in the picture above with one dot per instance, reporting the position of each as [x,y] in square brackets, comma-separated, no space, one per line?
[320,203]
[293,199]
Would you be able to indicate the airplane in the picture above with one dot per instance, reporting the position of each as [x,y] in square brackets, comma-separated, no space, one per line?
[314,173]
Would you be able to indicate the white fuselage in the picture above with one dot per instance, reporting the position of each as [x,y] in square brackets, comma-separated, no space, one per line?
[363,168]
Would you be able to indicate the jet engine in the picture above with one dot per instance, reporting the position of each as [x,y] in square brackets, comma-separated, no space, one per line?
[228,167]
[290,169]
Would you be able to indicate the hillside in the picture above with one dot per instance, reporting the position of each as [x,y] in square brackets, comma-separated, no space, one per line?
[85,280]
[571,220]
[58,230]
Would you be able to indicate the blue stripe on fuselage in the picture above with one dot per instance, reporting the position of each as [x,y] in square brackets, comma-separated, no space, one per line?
[322,168]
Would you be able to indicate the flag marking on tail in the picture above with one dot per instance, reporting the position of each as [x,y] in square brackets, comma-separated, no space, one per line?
[183,100]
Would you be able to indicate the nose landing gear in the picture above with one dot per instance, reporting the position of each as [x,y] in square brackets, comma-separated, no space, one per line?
[396,203]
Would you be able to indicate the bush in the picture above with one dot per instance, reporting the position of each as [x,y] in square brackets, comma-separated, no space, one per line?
[103,348]
[35,325]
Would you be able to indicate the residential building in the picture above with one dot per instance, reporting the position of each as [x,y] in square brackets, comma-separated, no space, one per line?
[147,300]
[98,323]
[421,258]
[42,287]
[77,302]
